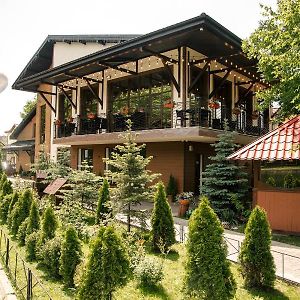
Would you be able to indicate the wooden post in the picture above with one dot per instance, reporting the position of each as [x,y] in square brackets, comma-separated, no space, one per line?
[7,253]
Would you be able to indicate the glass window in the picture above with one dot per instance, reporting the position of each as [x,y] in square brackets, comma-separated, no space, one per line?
[88,101]
[85,155]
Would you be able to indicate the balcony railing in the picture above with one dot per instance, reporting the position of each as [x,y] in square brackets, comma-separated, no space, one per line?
[205,118]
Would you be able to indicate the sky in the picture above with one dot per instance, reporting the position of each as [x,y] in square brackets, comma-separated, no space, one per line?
[24,25]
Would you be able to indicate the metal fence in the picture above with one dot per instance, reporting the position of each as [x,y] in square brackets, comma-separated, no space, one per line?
[28,285]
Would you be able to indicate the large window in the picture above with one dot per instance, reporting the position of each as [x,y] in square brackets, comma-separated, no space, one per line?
[42,123]
[64,107]
[85,155]
[142,99]
[88,101]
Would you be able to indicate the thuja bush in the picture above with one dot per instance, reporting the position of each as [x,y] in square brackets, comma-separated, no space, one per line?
[14,200]
[49,224]
[22,232]
[34,219]
[163,233]
[6,189]
[4,207]
[103,207]
[257,263]
[31,246]
[2,180]
[70,256]
[208,275]
[107,267]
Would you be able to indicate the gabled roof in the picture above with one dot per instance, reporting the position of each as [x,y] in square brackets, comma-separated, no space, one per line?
[42,59]
[23,124]
[27,145]
[280,144]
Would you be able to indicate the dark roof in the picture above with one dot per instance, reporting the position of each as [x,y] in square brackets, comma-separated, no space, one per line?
[20,146]
[23,124]
[42,59]
[202,33]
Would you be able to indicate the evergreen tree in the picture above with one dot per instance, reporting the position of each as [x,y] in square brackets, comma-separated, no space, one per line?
[2,180]
[4,207]
[128,171]
[163,233]
[107,267]
[103,207]
[34,219]
[172,188]
[21,236]
[6,189]
[70,256]
[208,274]
[14,200]
[49,224]
[224,182]
[257,263]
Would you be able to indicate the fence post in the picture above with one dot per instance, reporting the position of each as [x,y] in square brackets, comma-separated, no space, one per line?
[7,252]
[29,285]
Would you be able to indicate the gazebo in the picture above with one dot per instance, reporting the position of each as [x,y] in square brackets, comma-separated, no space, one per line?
[282,206]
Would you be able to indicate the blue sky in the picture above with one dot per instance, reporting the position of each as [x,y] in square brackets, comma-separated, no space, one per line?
[25,24]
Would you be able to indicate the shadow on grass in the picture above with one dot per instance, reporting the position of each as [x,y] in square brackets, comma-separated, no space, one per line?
[158,291]
[173,255]
[267,294]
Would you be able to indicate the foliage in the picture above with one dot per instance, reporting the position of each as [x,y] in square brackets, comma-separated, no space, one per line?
[103,207]
[34,219]
[224,180]
[271,181]
[4,207]
[163,232]
[14,200]
[50,256]
[28,107]
[107,267]
[6,189]
[208,275]
[257,263]
[31,245]
[2,180]
[149,272]
[275,43]
[70,256]
[290,181]
[49,224]
[172,188]
[42,163]
[128,172]
[21,236]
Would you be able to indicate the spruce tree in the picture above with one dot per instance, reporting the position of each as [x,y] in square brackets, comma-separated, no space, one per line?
[208,274]
[162,233]
[257,263]
[128,171]
[70,256]
[107,267]
[34,219]
[224,182]
[103,207]
[49,224]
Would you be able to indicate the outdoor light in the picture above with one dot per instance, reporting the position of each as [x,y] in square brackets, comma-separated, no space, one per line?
[191,148]
[3,82]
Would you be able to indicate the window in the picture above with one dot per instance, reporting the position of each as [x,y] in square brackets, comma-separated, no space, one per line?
[85,155]
[43,124]
[64,107]
[88,101]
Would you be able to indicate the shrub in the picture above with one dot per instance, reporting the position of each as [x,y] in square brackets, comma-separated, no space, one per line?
[271,181]
[34,219]
[4,207]
[2,180]
[289,181]
[107,267]
[50,256]
[49,224]
[208,275]
[103,209]
[70,256]
[14,200]
[172,188]
[163,233]
[6,189]
[257,263]
[31,246]
[22,232]
[149,272]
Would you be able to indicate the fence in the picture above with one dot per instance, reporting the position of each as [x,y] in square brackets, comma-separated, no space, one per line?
[25,281]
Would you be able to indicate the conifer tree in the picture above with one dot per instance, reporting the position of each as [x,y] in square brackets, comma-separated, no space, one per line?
[70,256]
[2,180]
[163,233]
[34,219]
[6,189]
[224,182]
[208,274]
[4,207]
[128,171]
[107,267]
[257,263]
[14,200]
[103,207]
[49,224]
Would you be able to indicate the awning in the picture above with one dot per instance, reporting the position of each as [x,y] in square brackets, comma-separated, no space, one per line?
[280,144]
[20,146]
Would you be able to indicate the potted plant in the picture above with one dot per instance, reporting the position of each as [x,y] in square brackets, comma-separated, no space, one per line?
[91,115]
[169,104]
[184,200]
[172,189]
[213,104]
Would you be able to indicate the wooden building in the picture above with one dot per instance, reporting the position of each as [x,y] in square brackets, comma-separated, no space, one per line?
[177,85]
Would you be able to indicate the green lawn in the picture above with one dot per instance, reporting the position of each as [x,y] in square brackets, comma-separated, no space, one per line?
[171,285]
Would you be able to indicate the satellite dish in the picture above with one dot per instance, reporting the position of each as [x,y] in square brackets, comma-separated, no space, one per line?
[3,82]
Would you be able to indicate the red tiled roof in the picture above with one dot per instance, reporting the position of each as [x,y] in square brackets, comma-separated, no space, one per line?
[280,144]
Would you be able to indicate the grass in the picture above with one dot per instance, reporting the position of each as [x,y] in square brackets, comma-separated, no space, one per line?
[170,288]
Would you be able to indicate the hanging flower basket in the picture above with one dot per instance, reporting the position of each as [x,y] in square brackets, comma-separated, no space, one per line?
[58,123]
[236,110]
[169,104]
[213,105]
[91,116]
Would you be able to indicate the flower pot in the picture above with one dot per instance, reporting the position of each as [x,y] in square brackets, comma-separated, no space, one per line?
[91,116]
[214,105]
[183,207]
[168,105]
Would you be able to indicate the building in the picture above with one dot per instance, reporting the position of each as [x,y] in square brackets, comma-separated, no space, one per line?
[23,146]
[177,85]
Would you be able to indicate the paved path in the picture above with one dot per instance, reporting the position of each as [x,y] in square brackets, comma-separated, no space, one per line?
[286,257]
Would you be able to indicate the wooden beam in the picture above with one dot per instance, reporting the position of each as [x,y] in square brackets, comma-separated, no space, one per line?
[105,64]
[93,92]
[46,93]
[220,85]
[83,77]
[245,82]
[159,55]
[67,96]
[199,61]
[200,74]
[47,101]
[232,69]
[170,73]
